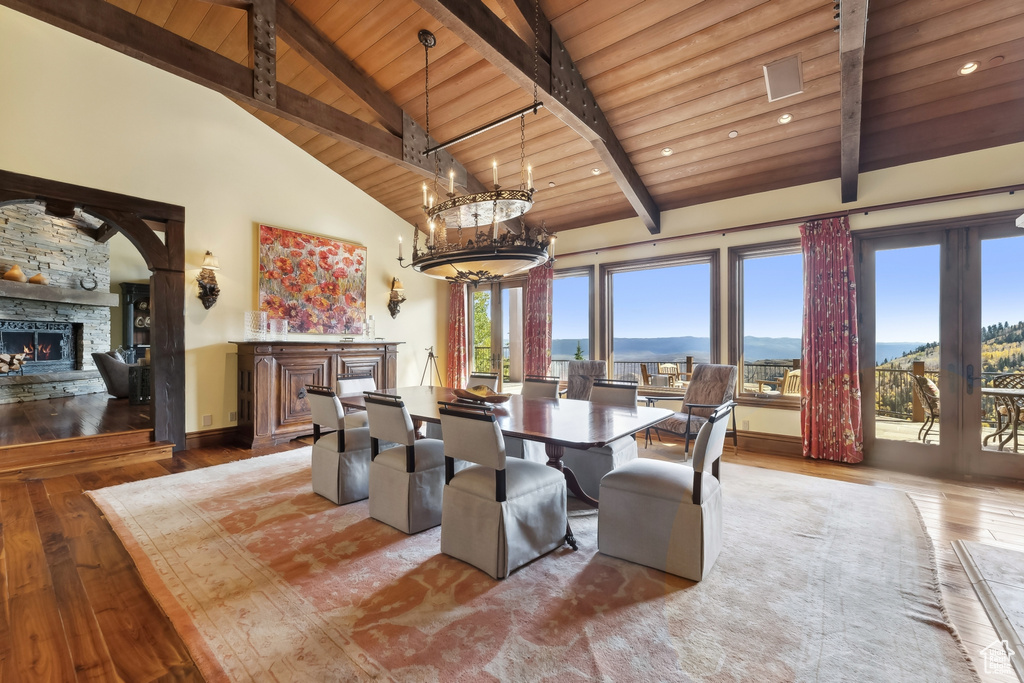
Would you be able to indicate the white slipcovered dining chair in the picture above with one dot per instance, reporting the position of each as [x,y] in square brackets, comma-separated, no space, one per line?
[405,480]
[499,513]
[533,387]
[593,463]
[341,454]
[668,515]
[355,383]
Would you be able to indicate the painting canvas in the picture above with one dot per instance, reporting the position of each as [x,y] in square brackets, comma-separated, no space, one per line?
[317,284]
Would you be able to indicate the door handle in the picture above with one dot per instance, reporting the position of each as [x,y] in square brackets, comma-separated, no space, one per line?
[970,379]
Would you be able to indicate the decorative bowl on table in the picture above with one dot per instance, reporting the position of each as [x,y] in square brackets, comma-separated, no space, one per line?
[481,394]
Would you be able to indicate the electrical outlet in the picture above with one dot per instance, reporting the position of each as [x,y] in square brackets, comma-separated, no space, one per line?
[746,425]
[207,420]
[233,416]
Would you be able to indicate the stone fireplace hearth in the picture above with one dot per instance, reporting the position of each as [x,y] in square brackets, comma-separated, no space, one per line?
[62,324]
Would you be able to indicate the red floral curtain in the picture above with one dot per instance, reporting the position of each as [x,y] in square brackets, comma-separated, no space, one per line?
[458,339]
[830,391]
[537,323]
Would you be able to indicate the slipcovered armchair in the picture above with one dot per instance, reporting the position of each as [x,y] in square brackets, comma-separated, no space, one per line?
[406,480]
[710,386]
[499,513]
[582,374]
[668,515]
[341,454]
[114,372]
[355,383]
[593,463]
[533,387]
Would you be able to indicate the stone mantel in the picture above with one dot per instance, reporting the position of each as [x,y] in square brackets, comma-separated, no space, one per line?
[62,295]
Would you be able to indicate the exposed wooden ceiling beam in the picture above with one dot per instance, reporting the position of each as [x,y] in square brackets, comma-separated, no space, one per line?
[565,93]
[521,15]
[119,30]
[853,23]
[106,231]
[316,49]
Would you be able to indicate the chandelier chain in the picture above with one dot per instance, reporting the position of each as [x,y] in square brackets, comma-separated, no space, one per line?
[426,79]
[536,49]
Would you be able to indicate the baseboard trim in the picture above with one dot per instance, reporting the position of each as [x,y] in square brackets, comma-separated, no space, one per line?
[211,438]
[771,444]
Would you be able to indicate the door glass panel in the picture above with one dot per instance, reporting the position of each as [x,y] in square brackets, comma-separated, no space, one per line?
[1002,343]
[481,330]
[512,338]
[907,358]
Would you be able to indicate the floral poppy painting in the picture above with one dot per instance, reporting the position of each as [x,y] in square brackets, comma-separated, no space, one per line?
[317,284]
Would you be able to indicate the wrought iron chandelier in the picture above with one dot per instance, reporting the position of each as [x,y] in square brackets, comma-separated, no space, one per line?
[484,248]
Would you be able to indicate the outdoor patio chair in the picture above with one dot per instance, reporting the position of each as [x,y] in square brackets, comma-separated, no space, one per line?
[710,386]
[680,507]
[1004,416]
[928,393]
[650,380]
[498,513]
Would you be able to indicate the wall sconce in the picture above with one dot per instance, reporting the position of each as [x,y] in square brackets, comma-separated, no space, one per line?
[397,297]
[208,289]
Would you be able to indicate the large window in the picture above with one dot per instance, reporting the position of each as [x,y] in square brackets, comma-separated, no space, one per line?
[662,317]
[767,319]
[571,320]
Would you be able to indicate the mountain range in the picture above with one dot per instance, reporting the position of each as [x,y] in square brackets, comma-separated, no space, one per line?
[678,348]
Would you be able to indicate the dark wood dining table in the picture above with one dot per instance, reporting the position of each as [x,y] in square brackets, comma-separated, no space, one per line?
[558,423]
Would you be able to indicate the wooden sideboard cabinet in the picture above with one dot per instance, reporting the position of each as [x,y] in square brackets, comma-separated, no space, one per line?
[272,377]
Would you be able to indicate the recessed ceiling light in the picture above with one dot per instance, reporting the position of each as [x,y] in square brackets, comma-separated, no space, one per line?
[666,151]
[968,68]
[733,133]
[595,171]
[551,183]
[785,118]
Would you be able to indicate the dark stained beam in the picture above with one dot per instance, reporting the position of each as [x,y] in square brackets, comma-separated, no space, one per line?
[316,49]
[18,186]
[565,94]
[853,23]
[59,208]
[522,15]
[106,231]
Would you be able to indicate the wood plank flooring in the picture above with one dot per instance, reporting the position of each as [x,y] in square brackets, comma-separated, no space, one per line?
[74,607]
[68,418]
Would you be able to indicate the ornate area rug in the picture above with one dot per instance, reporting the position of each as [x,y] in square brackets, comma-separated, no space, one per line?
[818,581]
[997,575]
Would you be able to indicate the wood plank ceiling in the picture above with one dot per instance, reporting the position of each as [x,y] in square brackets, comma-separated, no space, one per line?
[677,74]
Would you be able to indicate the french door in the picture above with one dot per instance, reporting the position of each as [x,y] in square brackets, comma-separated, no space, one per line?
[941,325]
[496,330]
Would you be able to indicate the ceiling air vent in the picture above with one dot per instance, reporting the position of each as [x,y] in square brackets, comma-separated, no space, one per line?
[783,78]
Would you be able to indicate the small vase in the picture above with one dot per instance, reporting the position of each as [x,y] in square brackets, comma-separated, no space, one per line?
[15,274]
[39,279]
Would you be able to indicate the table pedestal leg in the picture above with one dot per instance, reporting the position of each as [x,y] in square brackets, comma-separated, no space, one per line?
[555,453]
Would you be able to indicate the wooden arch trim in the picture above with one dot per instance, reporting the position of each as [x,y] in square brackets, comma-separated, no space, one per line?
[166,262]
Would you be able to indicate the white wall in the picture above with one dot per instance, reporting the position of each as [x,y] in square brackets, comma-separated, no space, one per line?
[996,167]
[80,113]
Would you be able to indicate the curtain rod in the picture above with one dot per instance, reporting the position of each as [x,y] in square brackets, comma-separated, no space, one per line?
[816,217]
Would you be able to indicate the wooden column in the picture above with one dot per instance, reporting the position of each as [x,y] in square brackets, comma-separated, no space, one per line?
[167,288]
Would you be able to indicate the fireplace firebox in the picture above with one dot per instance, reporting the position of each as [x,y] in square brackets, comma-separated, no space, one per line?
[49,347]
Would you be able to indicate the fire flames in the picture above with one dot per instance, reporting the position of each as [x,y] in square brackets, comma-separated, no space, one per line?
[41,352]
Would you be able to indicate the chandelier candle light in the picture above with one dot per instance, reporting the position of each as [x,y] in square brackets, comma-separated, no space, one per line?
[490,250]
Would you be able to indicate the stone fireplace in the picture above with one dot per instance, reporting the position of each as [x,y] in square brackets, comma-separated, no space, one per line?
[59,325]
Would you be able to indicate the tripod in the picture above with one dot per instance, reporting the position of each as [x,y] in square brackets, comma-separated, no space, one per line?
[431,361]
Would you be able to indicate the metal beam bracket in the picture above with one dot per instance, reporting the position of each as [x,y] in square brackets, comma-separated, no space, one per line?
[263,46]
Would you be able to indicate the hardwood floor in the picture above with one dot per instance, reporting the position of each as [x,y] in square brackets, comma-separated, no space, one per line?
[74,607]
[68,418]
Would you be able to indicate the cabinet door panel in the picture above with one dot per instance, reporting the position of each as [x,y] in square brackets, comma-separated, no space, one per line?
[362,364]
[293,376]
